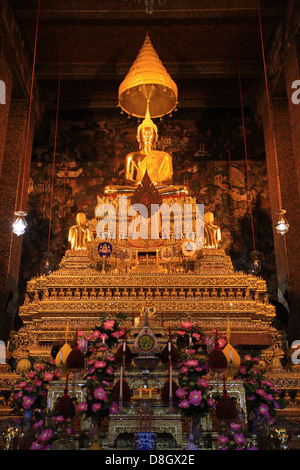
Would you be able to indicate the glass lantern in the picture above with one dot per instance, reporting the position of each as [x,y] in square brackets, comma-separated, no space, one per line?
[282,225]
[255,262]
[47,263]
[19,225]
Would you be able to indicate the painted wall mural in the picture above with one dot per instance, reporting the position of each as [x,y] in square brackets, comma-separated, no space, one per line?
[208,155]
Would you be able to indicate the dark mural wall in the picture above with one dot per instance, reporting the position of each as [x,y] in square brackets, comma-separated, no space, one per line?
[208,153]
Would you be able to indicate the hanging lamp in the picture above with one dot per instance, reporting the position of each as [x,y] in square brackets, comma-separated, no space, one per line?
[255,261]
[19,224]
[282,226]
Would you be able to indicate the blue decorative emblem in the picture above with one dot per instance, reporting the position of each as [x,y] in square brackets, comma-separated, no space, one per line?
[104,249]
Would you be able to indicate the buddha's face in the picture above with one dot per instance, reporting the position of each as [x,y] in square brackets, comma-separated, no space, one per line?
[147,136]
[81,218]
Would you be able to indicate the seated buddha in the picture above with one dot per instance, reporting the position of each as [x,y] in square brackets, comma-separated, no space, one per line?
[212,232]
[79,234]
[156,163]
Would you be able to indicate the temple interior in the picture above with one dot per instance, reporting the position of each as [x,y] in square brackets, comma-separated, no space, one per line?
[149,210]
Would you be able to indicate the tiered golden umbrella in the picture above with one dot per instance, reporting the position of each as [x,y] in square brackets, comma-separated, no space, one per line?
[148,86]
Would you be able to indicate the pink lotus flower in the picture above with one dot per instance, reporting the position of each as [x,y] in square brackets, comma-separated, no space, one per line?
[38,424]
[211,402]
[100,364]
[36,446]
[17,395]
[269,397]
[221,342]
[192,363]
[251,398]
[181,333]
[28,402]
[184,370]
[235,426]
[180,392]
[37,382]
[100,393]
[203,382]
[58,419]
[82,406]
[109,370]
[196,336]
[96,334]
[184,403]
[187,325]
[248,358]
[243,370]
[47,376]
[239,439]
[109,324]
[114,408]
[31,374]
[263,409]
[103,336]
[223,439]
[96,406]
[45,435]
[117,334]
[22,384]
[195,397]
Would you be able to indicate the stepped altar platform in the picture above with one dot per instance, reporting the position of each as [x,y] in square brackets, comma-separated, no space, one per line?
[210,294]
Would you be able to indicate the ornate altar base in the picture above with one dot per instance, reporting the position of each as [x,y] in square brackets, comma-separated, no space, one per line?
[164,423]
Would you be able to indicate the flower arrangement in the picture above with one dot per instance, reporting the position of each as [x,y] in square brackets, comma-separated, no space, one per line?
[107,334]
[31,391]
[193,390]
[234,437]
[260,391]
[98,384]
[189,336]
[47,433]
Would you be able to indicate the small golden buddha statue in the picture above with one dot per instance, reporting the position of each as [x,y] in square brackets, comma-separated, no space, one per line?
[79,235]
[157,163]
[212,233]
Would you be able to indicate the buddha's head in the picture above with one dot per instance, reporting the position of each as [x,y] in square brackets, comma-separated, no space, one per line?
[208,217]
[147,133]
[81,218]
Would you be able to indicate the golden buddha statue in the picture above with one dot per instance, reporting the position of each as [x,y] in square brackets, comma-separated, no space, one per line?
[79,235]
[212,233]
[158,164]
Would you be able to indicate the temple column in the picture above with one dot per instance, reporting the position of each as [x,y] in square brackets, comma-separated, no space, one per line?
[292,74]
[5,95]
[283,183]
[10,193]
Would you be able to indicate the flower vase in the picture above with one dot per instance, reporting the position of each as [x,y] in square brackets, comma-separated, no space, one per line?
[94,429]
[28,413]
[196,427]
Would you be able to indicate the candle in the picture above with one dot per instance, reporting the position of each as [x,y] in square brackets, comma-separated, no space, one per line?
[169,346]
[230,354]
[121,383]
[170,383]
